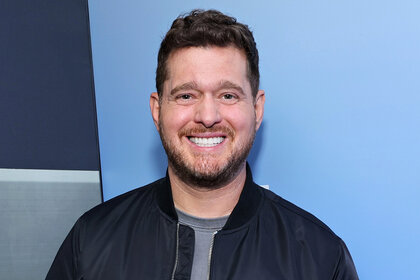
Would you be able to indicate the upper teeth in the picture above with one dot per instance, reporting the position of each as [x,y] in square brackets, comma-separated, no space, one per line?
[206,142]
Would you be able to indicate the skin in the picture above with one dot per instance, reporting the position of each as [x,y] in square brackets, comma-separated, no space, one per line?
[207,94]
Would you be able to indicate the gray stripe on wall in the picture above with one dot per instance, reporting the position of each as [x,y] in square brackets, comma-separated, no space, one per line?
[37,210]
[42,175]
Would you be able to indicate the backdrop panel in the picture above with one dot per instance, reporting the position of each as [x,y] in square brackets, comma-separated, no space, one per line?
[37,210]
[49,151]
[340,136]
[47,106]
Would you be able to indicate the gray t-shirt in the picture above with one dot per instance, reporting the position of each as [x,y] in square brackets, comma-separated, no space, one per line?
[204,230]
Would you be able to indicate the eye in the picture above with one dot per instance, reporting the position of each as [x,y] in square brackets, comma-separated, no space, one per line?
[184,96]
[228,96]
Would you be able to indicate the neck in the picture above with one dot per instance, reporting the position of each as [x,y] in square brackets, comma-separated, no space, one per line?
[206,203]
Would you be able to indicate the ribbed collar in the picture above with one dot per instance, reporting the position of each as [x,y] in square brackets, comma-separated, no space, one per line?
[244,210]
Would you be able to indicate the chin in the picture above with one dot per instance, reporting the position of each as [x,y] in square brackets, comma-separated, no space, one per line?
[207,173]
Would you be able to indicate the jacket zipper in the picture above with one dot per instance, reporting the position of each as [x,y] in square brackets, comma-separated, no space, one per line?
[210,253]
[176,253]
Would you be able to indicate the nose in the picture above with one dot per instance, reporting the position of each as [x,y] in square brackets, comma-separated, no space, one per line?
[207,111]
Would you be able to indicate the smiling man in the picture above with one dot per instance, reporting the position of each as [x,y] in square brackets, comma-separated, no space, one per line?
[207,116]
[206,219]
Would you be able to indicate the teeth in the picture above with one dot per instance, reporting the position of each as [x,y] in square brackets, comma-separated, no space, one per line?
[206,142]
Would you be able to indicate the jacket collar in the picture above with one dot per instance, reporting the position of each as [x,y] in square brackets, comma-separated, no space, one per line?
[244,210]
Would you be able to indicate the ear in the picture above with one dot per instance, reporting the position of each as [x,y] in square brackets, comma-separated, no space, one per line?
[155,108]
[259,108]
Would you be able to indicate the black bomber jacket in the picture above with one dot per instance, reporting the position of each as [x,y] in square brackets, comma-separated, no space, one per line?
[137,236]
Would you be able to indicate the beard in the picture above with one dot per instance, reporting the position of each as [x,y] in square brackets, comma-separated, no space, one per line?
[205,171]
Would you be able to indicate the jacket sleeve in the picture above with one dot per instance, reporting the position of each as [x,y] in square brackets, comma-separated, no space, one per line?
[345,269]
[64,266]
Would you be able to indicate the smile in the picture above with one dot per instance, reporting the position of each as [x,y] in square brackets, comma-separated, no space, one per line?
[206,142]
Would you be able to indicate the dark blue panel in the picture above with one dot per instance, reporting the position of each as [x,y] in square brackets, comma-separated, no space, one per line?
[47,103]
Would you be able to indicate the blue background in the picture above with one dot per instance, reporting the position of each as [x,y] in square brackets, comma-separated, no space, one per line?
[341,132]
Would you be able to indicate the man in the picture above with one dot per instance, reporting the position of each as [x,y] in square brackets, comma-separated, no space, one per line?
[206,219]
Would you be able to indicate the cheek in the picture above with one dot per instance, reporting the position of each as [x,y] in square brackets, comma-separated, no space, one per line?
[174,118]
[241,119]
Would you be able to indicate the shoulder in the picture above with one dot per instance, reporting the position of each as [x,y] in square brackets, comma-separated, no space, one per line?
[124,207]
[293,212]
[303,230]
[114,219]
[306,234]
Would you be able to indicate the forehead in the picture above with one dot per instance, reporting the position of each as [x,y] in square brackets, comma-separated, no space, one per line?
[206,65]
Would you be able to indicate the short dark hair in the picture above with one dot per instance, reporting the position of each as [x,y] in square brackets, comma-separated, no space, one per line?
[201,28]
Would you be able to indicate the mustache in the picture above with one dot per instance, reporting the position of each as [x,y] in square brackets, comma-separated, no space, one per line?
[198,130]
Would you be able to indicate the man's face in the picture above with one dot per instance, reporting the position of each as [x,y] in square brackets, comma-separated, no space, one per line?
[207,117]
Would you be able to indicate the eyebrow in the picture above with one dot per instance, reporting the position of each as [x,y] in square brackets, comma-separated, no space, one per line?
[229,85]
[224,84]
[186,86]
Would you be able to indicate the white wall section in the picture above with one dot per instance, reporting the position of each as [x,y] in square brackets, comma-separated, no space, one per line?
[37,210]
